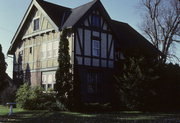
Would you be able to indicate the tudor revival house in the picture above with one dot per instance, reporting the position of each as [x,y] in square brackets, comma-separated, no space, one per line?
[96,42]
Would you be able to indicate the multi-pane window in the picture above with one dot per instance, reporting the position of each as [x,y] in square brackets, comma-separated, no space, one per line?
[96,21]
[48,80]
[49,50]
[36,24]
[96,47]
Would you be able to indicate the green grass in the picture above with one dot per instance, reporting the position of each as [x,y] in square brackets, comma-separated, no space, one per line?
[21,116]
[4,110]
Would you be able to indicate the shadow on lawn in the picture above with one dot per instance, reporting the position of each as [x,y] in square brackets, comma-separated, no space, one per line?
[74,117]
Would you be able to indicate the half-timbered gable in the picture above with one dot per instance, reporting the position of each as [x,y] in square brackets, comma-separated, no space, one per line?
[37,24]
[94,52]
[36,47]
[94,42]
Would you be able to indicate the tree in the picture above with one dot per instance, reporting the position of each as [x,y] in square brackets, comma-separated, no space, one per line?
[3,66]
[133,84]
[161,25]
[64,83]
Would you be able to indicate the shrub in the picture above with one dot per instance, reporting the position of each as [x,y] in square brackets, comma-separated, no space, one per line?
[22,95]
[133,85]
[33,98]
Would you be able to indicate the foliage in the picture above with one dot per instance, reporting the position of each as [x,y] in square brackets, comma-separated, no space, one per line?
[167,87]
[161,25]
[133,83]
[33,98]
[64,83]
[142,85]
[22,96]
[3,66]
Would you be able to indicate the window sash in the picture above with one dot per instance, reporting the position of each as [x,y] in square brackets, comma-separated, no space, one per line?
[36,24]
[48,80]
[96,48]
[96,21]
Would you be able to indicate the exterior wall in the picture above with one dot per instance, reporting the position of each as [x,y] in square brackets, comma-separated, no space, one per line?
[36,78]
[36,55]
[85,34]
[38,49]
[98,90]
[96,72]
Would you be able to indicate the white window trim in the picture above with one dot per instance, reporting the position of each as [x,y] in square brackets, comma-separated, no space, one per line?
[47,82]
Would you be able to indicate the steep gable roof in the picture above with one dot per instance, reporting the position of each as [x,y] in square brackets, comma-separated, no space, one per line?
[77,13]
[57,13]
[64,17]
[129,38]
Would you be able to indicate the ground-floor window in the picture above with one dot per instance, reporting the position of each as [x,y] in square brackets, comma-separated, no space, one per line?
[48,80]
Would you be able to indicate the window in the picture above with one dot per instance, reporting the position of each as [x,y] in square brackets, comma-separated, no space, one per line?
[48,80]
[96,21]
[96,48]
[36,24]
[30,50]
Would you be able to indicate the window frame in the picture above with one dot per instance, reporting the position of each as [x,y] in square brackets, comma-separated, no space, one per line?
[36,24]
[96,20]
[45,77]
[30,50]
[96,47]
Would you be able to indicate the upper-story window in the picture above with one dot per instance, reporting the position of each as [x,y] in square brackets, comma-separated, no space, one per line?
[96,47]
[30,50]
[36,24]
[49,50]
[96,21]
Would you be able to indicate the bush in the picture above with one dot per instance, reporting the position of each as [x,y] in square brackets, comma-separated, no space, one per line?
[33,98]
[133,85]
[22,96]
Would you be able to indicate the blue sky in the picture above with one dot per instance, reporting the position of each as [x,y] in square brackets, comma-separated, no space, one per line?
[12,12]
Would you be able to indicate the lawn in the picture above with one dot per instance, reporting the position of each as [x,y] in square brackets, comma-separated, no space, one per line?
[21,116]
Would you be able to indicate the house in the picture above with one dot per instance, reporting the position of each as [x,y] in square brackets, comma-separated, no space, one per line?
[96,42]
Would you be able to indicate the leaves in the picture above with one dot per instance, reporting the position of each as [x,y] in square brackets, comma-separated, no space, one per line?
[3,66]
[64,84]
[133,83]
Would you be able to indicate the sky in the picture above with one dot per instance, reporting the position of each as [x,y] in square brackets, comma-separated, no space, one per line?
[12,12]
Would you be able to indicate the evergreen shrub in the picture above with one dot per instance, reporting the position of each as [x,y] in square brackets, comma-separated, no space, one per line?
[33,98]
